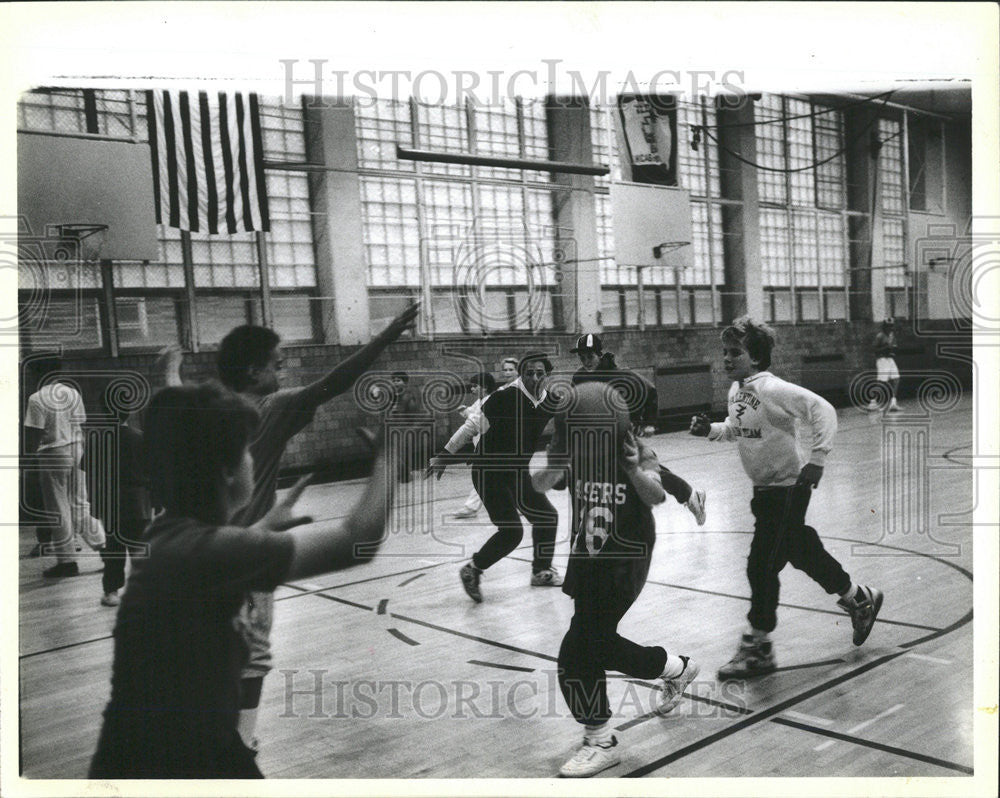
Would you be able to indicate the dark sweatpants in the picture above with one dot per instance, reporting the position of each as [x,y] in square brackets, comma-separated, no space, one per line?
[505,493]
[781,536]
[117,547]
[674,485]
[606,589]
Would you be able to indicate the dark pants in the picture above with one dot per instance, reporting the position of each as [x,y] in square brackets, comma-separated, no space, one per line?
[117,547]
[592,645]
[674,485]
[505,493]
[781,536]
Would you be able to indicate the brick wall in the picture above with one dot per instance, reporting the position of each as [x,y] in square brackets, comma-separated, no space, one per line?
[823,356]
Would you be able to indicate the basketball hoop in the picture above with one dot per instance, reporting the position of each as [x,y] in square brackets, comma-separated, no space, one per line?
[668,246]
[88,237]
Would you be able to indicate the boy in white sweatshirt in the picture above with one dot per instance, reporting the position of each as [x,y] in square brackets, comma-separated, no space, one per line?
[763,410]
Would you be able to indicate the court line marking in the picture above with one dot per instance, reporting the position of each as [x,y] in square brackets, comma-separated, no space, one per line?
[500,665]
[837,661]
[933,760]
[308,592]
[411,579]
[861,726]
[380,610]
[838,613]
[696,697]
[813,719]
[757,717]
[398,634]
[928,658]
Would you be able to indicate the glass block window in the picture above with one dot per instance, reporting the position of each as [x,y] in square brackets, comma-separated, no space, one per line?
[699,177]
[830,230]
[57,110]
[389,213]
[800,153]
[443,128]
[291,257]
[707,243]
[890,167]
[771,149]
[496,133]
[605,238]
[604,145]
[831,180]
[804,253]
[893,243]
[420,220]
[382,124]
[776,267]
[114,114]
[448,221]
[536,136]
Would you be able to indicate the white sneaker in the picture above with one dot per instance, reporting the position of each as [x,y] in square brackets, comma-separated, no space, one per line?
[110,599]
[873,405]
[696,504]
[672,689]
[550,577]
[591,759]
[465,513]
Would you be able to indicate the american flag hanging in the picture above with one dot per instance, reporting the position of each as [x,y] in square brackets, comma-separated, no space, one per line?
[208,161]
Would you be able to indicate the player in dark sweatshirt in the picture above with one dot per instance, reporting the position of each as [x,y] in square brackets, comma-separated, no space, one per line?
[642,402]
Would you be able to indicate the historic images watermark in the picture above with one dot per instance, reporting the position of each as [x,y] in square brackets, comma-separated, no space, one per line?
[315,694]
[318,78]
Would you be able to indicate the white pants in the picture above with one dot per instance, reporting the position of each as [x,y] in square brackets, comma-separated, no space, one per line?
[473,504]
[64,492]
[886,369]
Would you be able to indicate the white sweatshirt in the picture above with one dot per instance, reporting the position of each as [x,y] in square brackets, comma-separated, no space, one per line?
[762,415]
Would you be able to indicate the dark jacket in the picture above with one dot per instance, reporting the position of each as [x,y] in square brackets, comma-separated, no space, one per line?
[639,393]
[515,426]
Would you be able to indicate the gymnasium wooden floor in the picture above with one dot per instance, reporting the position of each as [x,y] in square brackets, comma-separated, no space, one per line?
[417,681]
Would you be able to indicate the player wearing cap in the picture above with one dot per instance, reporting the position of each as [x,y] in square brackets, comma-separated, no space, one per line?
[640,394]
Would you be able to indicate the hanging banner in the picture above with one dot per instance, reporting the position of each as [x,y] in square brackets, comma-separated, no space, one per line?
[648,130]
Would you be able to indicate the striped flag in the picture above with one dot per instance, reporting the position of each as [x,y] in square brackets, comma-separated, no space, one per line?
[208,161]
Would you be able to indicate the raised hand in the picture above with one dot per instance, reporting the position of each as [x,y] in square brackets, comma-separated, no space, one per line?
[406,320]
[700,425]
[282,516]
[435,468]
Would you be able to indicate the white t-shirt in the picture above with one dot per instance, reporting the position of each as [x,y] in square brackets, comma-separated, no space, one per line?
[57,410]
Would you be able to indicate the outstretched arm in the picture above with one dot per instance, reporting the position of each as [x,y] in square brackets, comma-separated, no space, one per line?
[346,372]
[643,470]
[321,549]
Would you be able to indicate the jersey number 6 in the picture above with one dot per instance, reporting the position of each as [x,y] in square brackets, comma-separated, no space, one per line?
[596,528]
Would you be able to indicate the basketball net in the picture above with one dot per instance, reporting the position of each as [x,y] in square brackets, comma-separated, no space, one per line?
[89,239]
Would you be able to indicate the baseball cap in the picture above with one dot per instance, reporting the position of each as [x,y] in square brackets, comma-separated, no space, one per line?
[588,342]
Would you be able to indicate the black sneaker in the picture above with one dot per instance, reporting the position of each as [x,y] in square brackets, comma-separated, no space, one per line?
[753,658]
[863,609]
[61,569]
[470,581]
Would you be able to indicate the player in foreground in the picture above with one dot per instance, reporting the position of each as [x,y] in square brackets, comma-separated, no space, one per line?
[175,684]
[763,410]
[614,481]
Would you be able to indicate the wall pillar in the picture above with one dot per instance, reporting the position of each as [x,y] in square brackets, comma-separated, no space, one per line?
[744,290]
[867,278]
[576,220]
[337,225]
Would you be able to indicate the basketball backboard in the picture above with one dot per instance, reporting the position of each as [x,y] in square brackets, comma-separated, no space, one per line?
[75,181]
[648,217]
